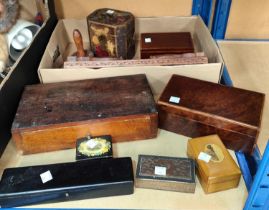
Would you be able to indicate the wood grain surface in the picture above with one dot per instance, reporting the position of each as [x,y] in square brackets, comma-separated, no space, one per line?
[53,116]
[207,108]
[163,43]
[214,176]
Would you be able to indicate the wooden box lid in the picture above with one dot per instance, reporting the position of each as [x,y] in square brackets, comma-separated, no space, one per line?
[110,17]
[69,102]
[166,42]
[221,167]
[214,104]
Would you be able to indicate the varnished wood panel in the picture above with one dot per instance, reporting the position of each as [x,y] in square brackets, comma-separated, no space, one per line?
[53,116]
[207,108]
[219,173]
[166,43]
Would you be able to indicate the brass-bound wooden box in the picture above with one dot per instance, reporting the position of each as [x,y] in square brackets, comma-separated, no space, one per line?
[112,33]
[216,168]
[165,173]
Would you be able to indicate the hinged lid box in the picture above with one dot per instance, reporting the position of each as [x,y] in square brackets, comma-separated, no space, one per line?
[53,116]
[165,43]
[66,181]
[166,173]
[111,33]
[221,171]
[197,108]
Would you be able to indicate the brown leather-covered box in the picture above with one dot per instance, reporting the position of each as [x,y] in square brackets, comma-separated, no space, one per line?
[197,108]
[53,116]
[216,169]
[165,43]
[112,33]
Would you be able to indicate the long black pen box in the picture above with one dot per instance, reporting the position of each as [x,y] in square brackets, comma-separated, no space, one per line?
[66,181]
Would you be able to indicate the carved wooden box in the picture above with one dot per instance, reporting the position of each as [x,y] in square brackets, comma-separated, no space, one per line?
[165,173]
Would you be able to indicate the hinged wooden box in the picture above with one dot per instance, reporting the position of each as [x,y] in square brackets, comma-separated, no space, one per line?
[165,173]
[112,33]
[197,108]
[215,167]
[165,43]
[22,186]
[53,116]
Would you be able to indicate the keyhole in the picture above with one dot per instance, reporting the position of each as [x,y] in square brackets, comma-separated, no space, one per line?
[47,108]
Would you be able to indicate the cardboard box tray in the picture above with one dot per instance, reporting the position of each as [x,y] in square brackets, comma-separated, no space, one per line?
[61,44]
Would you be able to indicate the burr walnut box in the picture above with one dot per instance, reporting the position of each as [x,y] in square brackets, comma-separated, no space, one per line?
[53,116]
[165,43]
[165,173]
[216,169]
[197,108]
[112,33]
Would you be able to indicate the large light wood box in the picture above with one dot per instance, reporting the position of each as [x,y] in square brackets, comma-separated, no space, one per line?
[60,113]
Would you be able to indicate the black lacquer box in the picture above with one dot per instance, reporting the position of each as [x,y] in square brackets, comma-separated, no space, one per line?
[165,173]
[94,147]
[66,181]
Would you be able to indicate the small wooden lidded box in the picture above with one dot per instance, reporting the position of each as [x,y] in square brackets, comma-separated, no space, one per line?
[165,173]
[53,116]
[195,108]
[112,33]
[215,167]
[165,43]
